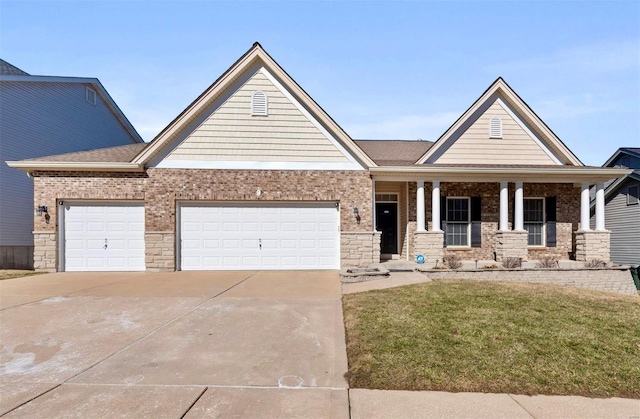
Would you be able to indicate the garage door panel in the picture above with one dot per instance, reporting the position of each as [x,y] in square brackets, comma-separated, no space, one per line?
[86,226]
[293,236]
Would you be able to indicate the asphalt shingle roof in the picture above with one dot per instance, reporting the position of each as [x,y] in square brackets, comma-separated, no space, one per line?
[394,152]
[7,69]
[118,154]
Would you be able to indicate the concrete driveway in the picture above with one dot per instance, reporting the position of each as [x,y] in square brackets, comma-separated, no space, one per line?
[200,344]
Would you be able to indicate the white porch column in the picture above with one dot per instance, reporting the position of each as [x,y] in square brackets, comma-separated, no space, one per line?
[519,208]
[420,206]
[373,201]
[435,206]
[504,206]
[584,208]
[600,207]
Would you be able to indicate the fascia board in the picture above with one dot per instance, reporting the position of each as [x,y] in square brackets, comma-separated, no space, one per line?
[477,174]
[500,86]
[200,103]
[75,166]
[223,83]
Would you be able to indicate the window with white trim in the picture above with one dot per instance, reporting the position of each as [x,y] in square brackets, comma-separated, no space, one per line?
[259,103]
[495,128]
[90,96]
[633,195]
[534,220]
[457,228]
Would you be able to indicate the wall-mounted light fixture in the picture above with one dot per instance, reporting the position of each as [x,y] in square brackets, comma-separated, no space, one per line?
[41,209]
[356,213]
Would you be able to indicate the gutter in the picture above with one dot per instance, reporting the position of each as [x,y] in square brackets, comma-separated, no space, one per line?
[43,166]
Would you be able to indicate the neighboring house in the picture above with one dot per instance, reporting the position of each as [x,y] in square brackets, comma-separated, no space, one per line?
[255,175]
[622,207]
[40,116]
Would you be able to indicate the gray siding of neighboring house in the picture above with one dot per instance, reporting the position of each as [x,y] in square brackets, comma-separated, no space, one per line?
[624,223]
[39,119]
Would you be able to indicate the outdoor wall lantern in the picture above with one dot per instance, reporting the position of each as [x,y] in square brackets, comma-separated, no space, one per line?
[40,209]
[356,213]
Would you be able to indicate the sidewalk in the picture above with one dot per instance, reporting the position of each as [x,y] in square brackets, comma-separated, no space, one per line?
[373,404]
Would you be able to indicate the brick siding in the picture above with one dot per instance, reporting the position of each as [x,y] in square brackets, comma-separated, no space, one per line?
[161,188]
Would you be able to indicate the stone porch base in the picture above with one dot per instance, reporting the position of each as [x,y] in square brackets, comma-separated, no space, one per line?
[511,244]
[592,245]
[430,244]
[359,248]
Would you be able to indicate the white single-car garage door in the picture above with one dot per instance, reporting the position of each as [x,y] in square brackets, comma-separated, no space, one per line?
[259,236]
[104,237]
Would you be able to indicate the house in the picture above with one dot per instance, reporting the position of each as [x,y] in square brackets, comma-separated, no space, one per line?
[622,207]
[40,116]
[255,175]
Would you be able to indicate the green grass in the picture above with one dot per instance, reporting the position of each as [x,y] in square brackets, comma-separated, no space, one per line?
[494,337]
[15,273]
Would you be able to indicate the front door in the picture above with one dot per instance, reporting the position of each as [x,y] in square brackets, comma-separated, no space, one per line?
[387,223]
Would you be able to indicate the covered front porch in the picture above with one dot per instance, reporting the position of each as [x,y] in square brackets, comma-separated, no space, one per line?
[489,213]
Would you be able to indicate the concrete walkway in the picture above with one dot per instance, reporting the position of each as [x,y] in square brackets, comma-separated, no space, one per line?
[372,404]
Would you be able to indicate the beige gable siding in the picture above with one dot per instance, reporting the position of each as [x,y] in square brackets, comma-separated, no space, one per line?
[231,133]
[474,146]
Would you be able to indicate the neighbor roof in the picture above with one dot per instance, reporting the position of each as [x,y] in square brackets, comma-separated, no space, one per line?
[394,152]
[9,69]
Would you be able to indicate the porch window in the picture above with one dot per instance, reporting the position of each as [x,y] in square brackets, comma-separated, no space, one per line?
[457,227]
[534,220]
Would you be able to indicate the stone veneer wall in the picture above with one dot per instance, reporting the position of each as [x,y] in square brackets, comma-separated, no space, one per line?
[359,249]
[607,279]
[593,245]
[511,244]
[160,189]
[429,244]
[45,251]
[567,215]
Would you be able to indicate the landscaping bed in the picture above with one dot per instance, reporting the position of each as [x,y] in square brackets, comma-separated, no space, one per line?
[467,336]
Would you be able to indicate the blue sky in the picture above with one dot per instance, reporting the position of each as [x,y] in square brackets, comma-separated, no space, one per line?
[382,70]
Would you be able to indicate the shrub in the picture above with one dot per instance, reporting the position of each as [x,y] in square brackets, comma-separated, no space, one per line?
[452,261]
[595,263]
[512,263]
[548,262]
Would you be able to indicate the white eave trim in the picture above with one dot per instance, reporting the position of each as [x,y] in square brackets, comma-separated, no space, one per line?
[486,174]
[75,166]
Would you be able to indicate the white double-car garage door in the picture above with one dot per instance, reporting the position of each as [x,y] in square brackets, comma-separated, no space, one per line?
[107,236]
[256,236]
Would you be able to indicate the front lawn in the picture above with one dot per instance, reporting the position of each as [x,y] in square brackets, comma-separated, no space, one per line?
[15,273]
[518,338]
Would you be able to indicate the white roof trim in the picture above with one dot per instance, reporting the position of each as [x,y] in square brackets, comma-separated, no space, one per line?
[501,87]
[257,165]
[528,131]
[28,166]
[310,117]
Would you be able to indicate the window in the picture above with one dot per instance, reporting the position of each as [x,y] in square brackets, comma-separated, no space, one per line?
[259,104]
[534,220]
[90,96]
[495,128]
[633,195]
[457,229]
[387,197]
